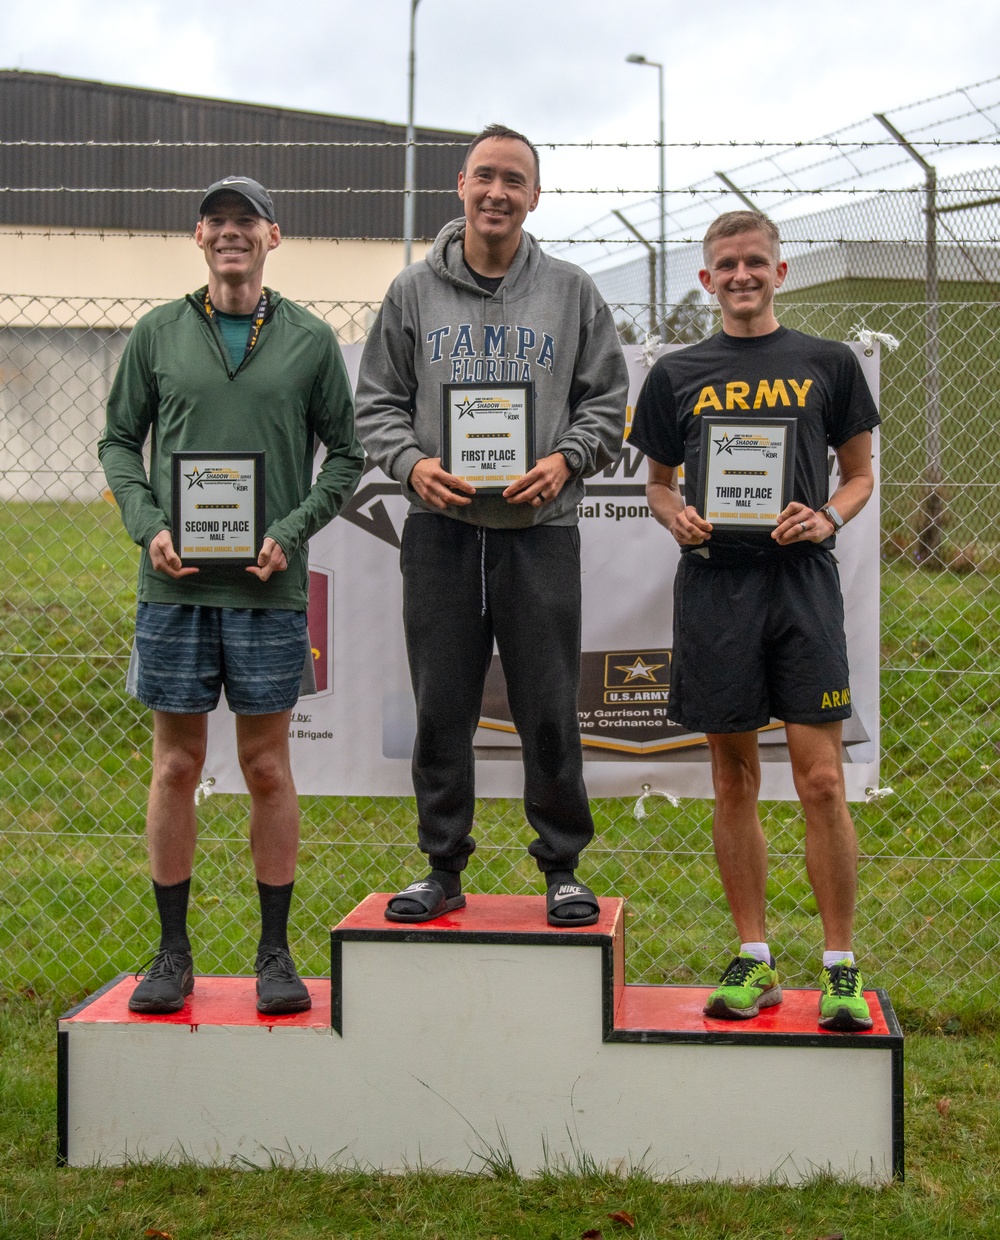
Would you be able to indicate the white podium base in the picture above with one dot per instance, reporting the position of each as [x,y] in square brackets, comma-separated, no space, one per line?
[479,1039]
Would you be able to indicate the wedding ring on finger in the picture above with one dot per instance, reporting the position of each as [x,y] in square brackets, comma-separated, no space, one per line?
[803,527]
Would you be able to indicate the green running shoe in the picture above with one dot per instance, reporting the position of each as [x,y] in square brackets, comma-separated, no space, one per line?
[746,986]
[842,1006]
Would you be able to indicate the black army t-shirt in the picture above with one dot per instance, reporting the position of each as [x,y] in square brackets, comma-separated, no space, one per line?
[785,374]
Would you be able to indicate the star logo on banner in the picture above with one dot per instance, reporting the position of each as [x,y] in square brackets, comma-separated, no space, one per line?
[465,408]
[639,670]
[723,445]
[193,478]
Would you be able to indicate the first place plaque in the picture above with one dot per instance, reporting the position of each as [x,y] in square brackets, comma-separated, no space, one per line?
[747,470]
[488,433]
[218,507]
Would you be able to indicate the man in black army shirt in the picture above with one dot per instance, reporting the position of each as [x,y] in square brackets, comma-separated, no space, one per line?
[758,614]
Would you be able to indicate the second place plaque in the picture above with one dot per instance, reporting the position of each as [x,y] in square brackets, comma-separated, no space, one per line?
[218,507]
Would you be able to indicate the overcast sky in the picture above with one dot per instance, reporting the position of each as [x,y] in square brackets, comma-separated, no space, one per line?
[781,70]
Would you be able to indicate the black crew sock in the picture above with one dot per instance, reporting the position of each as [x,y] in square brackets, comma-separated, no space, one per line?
[274,905]
[172,906]
[559,876]
[450,880]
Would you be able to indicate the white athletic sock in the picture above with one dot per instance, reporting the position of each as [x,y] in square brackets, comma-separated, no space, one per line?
[759,951]
[832,958]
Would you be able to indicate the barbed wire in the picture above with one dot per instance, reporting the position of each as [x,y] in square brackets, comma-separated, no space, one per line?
[696,145]
[697,239]
[135,234]
[175,189]
[961,192]
[857,160]
[622,191]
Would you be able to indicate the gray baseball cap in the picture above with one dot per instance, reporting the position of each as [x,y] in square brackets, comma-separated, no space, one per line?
[255,194]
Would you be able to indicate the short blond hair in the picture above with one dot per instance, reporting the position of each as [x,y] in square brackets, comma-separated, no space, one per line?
[733,223]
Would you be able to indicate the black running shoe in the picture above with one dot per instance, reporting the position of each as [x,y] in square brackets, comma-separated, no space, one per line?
[168,981]
[280,990]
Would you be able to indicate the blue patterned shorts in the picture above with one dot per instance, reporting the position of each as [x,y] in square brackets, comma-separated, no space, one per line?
[183,656]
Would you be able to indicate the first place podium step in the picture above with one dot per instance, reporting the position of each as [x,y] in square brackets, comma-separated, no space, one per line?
[483,1036]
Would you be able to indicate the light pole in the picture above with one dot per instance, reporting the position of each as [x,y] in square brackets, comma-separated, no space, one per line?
[636,59]
[409,169]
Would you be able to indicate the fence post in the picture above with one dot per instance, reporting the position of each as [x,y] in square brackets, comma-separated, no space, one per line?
[931,513]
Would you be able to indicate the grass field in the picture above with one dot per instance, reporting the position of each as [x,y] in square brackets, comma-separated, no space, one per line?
[74,905]
[74,910]
[951,1188]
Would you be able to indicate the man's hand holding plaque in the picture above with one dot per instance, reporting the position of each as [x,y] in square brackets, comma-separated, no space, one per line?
[164,557]
[541,484]
[437,487]
[800,523]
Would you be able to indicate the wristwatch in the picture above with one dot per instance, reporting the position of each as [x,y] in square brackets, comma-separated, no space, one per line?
[833,516]
[574,460]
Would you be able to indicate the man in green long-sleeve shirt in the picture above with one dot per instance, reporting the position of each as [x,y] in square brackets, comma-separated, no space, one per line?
[232,368]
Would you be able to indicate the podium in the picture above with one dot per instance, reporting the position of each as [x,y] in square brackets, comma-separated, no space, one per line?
[483,1040]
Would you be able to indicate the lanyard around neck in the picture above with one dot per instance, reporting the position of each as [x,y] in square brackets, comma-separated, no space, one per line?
[258,321]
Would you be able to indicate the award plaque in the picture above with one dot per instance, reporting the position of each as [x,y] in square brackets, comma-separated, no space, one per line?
[217,513]
[747,469]
[488,433]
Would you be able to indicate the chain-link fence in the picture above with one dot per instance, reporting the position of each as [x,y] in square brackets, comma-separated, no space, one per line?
[75,904]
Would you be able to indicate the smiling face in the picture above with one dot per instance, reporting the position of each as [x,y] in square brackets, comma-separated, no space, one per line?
[235,241]
[743,272]
[498,187]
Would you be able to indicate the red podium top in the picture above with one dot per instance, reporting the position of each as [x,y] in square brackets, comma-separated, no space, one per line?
[679,1008]
[483,915]
[214,1001]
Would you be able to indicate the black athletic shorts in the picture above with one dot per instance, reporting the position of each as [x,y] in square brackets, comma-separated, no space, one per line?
[758,640]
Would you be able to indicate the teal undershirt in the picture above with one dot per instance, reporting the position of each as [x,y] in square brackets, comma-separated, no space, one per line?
[235,330]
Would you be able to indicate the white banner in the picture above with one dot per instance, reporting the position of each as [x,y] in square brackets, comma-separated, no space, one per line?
[354,736]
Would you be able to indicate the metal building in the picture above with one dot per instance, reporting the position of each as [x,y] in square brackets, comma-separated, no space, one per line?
[135,188]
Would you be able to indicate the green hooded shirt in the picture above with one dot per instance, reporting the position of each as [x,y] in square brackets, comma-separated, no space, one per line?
[176,386]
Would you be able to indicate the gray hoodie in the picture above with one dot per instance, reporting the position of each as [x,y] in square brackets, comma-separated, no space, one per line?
[546,324]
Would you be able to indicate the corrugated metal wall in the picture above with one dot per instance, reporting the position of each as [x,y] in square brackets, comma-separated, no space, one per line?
[43,107]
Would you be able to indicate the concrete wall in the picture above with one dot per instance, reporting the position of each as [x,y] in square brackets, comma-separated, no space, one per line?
[92,264]
[67,301]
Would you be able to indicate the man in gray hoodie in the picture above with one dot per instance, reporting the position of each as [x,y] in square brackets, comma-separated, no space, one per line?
[488,306]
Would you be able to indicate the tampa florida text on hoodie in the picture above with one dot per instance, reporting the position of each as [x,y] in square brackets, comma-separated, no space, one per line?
[546,324]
